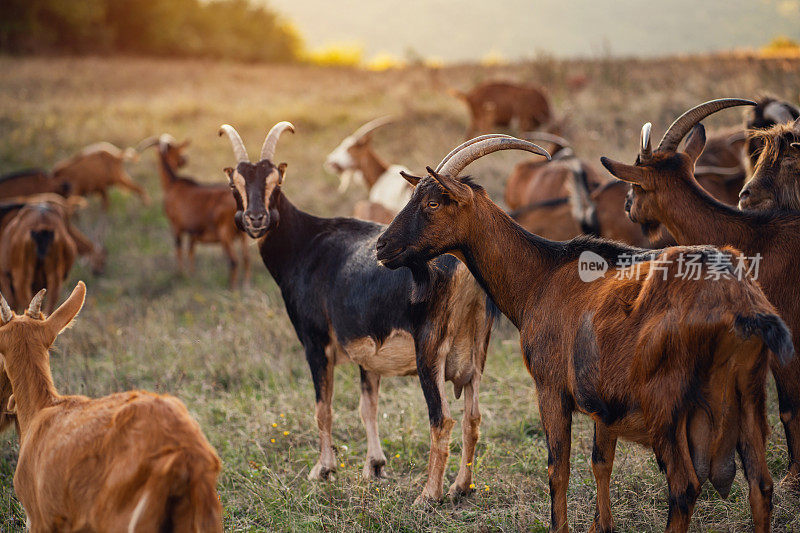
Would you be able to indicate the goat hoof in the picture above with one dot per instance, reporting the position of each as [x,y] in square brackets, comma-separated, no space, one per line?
[791,482]
[600,529]
[425,501]
[458,491]
[321,473]
[374,470]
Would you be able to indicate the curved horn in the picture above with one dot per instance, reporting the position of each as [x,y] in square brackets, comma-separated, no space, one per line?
[460,160]
[372,125]
[703,170]
[463,145]
[547,137]
[35,307]
[5,310]
[778,113]
[236,141]
[684,123]
[645,146]
[147,143]
[268,148]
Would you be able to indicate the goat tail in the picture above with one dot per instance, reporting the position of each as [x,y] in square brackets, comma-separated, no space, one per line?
[771,329]
[179,496]
[583,209]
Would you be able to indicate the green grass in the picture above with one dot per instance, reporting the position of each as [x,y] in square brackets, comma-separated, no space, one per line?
[232,356]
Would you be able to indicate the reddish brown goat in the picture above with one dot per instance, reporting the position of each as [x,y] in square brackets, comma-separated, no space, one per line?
[665,191]
[203,212]
[32,181]
[669,361]
[132,461]
[775,184]
[497,103]
[36,251]
[96,168]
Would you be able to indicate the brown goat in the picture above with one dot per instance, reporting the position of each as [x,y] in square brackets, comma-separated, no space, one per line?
[36,251]
[132,461]
[665,191]
[32,181]
[671,362]
[767,112]
[203,212]
[497,103]
[775,183]
[96,168]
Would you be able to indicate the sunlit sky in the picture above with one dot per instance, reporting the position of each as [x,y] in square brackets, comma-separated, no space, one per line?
[471,29]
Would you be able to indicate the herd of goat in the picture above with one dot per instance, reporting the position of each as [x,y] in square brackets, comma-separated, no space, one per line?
[673,362]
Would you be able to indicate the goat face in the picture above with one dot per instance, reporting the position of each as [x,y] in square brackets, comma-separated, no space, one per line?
[432,223]
[256,188]
[648,178]
[767,113]
[775,183]
[344,160]
[175,153]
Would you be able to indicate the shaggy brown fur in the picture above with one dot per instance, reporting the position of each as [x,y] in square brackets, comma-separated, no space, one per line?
[132,461]
[775,183]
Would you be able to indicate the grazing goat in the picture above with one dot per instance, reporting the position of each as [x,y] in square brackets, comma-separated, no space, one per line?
[664,191]
[497,103]
[96,168]
[678,364]
[202,212]
[433,321]
[36,251]
[132,461]
[775,183]
[767,112]
[32,181]
[355,159]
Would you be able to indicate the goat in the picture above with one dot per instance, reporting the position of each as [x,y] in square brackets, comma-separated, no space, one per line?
[434,322]
[767,112]
[96,168]
[675,364]
[32,181]
[775,183]
[131,461]
[355,159]
[665,191]
[497,103]
[36,251]
[202,212]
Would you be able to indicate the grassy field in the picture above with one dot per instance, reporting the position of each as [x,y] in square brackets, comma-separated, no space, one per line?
[232,356]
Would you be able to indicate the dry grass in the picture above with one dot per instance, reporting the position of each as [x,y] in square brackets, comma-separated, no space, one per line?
[233,356]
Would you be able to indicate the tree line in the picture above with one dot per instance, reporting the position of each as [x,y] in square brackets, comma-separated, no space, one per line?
[231,29]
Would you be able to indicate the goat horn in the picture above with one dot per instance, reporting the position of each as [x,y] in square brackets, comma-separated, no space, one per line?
[236,141]
[153,140]
[547,137]
[5,310]
[778,113]
[35,307]
[268,148]
[645,146]
[720,171]
[460,160]
[372,125]
[684,123]
[463,145]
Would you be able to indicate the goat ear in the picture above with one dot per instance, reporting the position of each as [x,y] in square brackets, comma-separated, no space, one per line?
[228,172]
[695,142]
[413,180]
[281,172]
[629,173]
[66,312]
[453,188]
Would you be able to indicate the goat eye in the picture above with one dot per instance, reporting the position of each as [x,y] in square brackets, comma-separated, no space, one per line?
[433,205]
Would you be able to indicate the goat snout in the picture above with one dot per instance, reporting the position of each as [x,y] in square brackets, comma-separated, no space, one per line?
[255,219]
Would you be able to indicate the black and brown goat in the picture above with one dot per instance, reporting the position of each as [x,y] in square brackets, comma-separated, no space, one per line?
[32,181]
[498,103]
[430,320]
[767,112]
[665,191]
[775,183]
[671,362]
[199,211]
[96,168]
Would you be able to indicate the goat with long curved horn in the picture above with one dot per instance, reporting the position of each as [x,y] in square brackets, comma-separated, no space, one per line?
[684,123]
[455,164]
[35,307]
[469,142]
[271,141]
[236,141]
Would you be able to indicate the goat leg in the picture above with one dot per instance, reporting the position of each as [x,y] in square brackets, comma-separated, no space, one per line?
[753,432]
[555,412]
[787,381]
[376,460]
[470,432]
[602,463]
[322,374]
